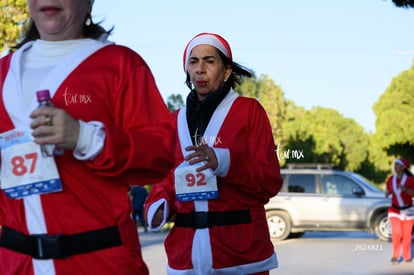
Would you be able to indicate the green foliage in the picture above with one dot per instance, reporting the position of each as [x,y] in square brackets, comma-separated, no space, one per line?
[395,116]
[271,98]
[325,136]
[175,102]
[13,19]
[378,165]
[308,136]
[247,87]
[371,171]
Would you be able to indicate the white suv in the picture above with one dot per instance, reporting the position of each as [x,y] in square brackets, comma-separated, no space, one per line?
[323,199]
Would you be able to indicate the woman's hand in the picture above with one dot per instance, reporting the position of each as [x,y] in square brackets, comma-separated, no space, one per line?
[387,193]
[54,126]
[407,190]
[202,153]
[158,216]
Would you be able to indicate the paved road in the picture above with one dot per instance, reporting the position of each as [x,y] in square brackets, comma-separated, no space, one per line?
[336,253]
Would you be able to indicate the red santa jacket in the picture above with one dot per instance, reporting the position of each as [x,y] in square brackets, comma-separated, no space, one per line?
[253,177]
[114,86]
[401,202]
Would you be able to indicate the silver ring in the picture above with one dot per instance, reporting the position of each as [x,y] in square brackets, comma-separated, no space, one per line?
[206,158]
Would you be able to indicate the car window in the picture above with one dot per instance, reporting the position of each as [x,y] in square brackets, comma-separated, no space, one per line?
[304,183]
[368,184]
[337,184]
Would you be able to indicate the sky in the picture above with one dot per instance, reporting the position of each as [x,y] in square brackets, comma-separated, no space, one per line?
[333,54]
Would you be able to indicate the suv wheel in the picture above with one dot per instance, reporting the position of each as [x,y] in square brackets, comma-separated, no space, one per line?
[383,227]
[279,225]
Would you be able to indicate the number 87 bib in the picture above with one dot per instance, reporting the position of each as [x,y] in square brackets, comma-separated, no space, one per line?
[23,169]
[191,185]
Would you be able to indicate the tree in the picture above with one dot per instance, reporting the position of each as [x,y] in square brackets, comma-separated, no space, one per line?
[308,136]
[377,166]
[326,137]
[174,102]
[270,96]
[298,144]
[394,110]
[404,3]
[13,19]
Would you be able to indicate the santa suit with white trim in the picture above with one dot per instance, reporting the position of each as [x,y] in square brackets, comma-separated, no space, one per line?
[240,135]
[401,212]
[114,86]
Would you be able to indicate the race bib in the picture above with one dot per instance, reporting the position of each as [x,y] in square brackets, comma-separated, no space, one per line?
[191,185]
[23,169]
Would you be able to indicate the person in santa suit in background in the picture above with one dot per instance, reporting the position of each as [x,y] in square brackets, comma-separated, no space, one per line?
[401,213]
[226,171]
[71,213]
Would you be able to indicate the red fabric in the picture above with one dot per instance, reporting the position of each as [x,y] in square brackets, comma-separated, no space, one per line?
[409,183]
[401,238]
[253,178]
[123,96]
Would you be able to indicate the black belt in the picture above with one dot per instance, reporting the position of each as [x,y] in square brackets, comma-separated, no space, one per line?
[210,219]
[44,246]
[401,207]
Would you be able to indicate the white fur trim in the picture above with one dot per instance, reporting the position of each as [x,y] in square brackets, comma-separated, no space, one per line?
[400,162]
[151,212]
[205,39]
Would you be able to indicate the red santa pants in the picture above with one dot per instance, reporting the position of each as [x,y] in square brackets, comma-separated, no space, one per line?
[401,237]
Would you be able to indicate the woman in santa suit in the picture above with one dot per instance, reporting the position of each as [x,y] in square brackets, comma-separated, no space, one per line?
[71,213]
[401,213]
[226,171]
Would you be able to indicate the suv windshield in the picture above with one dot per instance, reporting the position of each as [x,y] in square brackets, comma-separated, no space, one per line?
[368,184]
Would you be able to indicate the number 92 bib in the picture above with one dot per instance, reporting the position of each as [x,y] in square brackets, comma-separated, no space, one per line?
[191,185]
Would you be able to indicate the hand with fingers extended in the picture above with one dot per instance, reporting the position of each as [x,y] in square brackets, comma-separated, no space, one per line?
[202,153]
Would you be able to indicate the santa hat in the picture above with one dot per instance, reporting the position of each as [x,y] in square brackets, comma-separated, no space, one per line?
[206,38]
[403,162]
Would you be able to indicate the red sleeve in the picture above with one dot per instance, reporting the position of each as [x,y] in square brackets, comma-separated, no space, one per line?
[4,68]
[410,182]
[389,184]
[124,97]
[165,189]
[162,190]
[260,172]
[142,136]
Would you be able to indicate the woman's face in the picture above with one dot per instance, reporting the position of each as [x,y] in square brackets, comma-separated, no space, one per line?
[59,19]
[398,168]
[206,69]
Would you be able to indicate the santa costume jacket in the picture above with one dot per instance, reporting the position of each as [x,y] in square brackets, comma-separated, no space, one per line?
[234,238]
[401,202]
[113,85]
